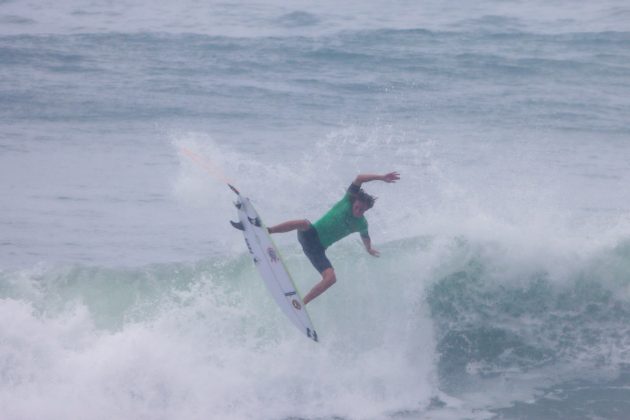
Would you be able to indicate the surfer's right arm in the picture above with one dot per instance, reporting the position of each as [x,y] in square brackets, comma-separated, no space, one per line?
[368,245]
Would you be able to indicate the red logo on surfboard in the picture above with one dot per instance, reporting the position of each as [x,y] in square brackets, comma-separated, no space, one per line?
[272,254]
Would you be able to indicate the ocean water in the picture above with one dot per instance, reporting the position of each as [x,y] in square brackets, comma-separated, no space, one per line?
[503,286]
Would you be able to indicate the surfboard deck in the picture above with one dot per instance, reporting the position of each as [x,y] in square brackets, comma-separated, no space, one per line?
[270,266]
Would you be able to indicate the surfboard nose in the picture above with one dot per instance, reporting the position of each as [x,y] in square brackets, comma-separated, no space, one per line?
[234,189]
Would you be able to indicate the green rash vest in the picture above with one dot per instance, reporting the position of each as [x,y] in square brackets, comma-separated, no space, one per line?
[339,222]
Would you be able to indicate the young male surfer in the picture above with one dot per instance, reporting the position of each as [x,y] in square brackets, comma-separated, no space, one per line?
[341,220]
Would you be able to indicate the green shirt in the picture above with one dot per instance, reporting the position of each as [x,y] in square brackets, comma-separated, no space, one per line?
[339,222]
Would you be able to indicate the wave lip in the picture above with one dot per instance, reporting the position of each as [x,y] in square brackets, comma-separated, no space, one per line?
[459,308]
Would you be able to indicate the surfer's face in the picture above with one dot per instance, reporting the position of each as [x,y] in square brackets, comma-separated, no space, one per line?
[358,208]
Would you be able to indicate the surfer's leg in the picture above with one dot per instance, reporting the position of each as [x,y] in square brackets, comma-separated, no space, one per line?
[301,224]
[328,279]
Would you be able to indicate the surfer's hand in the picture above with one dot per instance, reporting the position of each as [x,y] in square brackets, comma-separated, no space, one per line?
[374,252]
[391,177]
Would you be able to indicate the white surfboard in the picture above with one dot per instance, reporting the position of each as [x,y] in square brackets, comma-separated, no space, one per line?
[269,264]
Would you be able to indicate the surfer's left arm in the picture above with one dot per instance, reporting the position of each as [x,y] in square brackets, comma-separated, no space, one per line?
[389,178]
[368,246]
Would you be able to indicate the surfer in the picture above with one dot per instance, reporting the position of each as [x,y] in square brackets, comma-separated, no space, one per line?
[344,218]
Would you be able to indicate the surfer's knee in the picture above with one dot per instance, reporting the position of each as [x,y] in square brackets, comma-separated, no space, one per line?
[329,277]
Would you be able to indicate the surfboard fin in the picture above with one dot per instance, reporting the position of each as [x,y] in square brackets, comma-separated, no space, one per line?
[311,334]
[237,225]
[255,221]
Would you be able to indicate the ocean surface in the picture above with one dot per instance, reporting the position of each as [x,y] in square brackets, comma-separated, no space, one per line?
[503,286]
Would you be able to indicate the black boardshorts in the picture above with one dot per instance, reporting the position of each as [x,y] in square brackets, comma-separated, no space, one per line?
[313,248]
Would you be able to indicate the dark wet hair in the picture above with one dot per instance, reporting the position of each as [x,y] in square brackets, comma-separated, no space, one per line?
[365,198]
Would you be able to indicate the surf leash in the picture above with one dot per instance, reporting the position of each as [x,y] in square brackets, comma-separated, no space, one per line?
[212,169]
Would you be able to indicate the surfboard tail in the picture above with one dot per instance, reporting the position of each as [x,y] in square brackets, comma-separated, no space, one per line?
[312,335]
